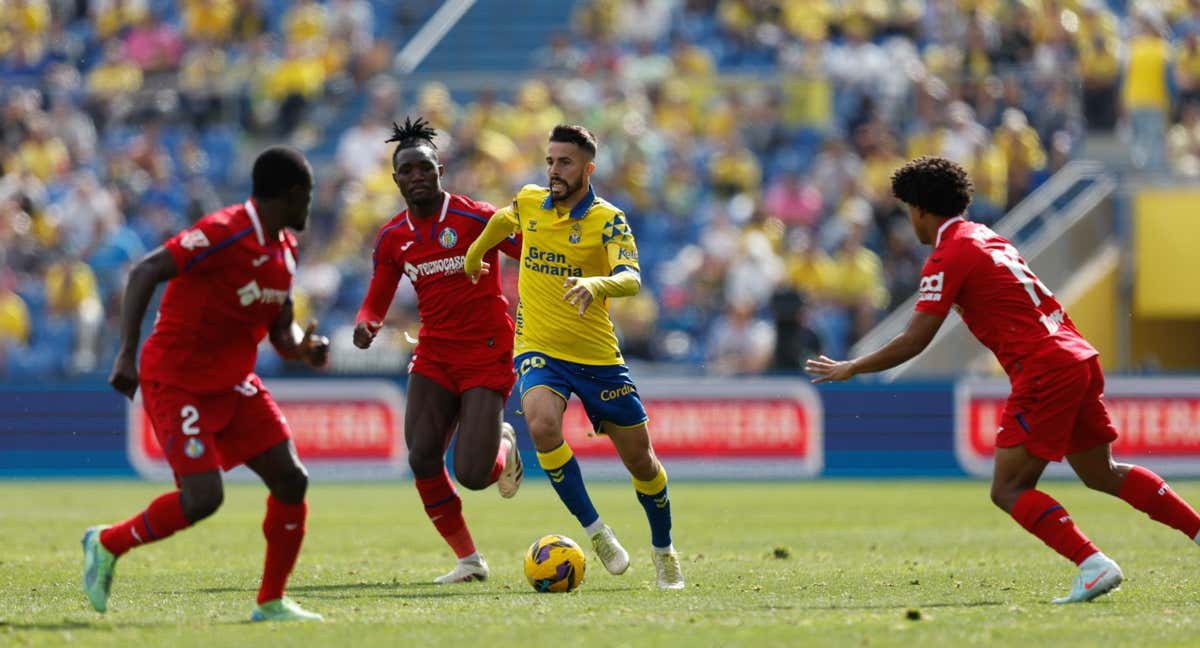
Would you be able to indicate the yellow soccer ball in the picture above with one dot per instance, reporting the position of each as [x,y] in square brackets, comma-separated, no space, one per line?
[555,564]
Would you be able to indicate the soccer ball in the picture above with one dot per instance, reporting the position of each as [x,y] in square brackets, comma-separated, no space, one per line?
[555,564]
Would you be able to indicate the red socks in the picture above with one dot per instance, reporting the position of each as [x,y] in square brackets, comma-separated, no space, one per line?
[501,462]
[1045,518]
[1148,493]
[160,520]
[444,508]
[284,529]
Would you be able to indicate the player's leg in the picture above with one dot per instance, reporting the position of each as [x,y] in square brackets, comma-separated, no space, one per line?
[184,425]
[1014,489]
[1140,487]
[543,416]
[284,527]
[486,450]
[650,484]
[428,424]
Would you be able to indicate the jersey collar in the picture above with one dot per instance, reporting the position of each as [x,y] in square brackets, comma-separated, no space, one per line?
[445,208]
[252,212]
[942,229]
[579,210]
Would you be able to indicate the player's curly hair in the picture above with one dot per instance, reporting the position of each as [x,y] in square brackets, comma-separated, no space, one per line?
[414,132]
[575,134]
[933,184]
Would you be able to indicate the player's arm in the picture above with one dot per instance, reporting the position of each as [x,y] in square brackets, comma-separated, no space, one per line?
[902,348]
[375,307]
[625,280]
[153,269]
[292,343]
[499,227]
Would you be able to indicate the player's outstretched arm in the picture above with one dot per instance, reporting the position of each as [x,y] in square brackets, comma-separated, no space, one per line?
[373,311]
[153,269]
[916,336]
[582,291]
[292,343]
[499,227]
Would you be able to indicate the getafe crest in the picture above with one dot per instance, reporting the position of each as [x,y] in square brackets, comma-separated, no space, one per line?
[448,237]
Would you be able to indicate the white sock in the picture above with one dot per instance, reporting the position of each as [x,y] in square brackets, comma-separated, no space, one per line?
[664,550]
[475,557]
[594,528]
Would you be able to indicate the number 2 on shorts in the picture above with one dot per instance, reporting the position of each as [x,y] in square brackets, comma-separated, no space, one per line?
[190,415]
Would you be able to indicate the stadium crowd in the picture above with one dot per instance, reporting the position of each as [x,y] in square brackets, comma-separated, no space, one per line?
[751,143]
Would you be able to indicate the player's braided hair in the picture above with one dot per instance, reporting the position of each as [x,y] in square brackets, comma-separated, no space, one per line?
[933,184]
[414,132]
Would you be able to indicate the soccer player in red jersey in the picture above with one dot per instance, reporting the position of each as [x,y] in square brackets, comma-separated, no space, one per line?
[1056,408]
[229,281]
[461,371]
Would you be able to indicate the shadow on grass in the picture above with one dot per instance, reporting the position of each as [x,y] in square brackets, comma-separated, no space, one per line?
[104,625]
[883,606]
[412,590]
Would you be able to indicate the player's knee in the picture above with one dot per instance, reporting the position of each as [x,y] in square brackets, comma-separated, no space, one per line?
[200,503]
[643,466]
[425,464]
[544,431]
[1004,496]
[1105,480]
[292,486]
[472,478]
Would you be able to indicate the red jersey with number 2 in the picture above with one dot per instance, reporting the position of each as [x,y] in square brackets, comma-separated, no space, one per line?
[231,284]
[981,275]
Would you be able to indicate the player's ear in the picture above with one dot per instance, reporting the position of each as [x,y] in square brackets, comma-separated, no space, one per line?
[590,167]
[441,170]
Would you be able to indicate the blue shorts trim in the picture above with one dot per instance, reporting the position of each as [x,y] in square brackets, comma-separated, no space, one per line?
[606,391]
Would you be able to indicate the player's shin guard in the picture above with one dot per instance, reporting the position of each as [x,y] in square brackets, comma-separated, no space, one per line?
[284,529]
[1148,493]
[444,508]
[1045,518]
[160,520]
[657,503]
[566,478]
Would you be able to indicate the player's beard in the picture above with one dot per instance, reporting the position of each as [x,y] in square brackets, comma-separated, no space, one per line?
[568,191]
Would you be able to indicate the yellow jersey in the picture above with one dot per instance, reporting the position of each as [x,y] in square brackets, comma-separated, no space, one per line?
[593,239]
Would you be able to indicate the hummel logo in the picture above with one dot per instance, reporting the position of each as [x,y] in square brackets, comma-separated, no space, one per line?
[1088,586]
[260,260]
[556,476]
[662,502]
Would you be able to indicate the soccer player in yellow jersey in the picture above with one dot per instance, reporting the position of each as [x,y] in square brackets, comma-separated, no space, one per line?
[577,252]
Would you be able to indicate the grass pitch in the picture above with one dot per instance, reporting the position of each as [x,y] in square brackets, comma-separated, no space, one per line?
[779,564]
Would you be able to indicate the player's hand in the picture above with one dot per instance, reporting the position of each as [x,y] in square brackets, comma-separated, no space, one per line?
[577,294]
[124,376]
[826,369]
[365,332]
[474,274]
[314,349]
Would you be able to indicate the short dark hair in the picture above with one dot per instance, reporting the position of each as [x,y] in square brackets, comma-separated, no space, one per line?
[414,132]
[278,169]
[575,134]
[933,184]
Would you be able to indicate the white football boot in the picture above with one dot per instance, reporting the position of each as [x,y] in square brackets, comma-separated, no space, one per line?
[513,473]
[611,553]
[1098,575]
[668,572]
[468,569]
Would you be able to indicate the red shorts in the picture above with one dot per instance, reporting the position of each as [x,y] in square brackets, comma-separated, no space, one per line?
[1058,412]
[462,366]
[204,432]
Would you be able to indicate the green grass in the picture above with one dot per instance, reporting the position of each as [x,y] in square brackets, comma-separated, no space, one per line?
[862,556]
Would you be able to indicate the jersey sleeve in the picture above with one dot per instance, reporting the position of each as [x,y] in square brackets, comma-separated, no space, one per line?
[510,246]
[618,241]
[384,279]
[942,279]
[196,243]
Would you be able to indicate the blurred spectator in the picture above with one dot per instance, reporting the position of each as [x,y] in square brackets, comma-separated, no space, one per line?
[792,200]
[740,343]
[71,294]
[1184,141]
[1147,99]
[153,45]
[796,340]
